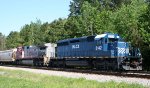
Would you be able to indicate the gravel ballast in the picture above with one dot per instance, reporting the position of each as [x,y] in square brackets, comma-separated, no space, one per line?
[100,78]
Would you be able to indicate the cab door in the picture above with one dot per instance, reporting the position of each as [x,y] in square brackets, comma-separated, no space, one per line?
[105,44]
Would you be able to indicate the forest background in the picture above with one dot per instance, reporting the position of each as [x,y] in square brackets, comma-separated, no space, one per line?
[129,18]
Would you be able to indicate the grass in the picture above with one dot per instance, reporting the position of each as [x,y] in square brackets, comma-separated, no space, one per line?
[22,79]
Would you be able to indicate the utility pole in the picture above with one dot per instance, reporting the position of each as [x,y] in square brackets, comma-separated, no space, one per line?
[32,36]
[91,28]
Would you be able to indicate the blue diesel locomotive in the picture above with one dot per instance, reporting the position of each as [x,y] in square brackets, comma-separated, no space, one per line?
[106,51]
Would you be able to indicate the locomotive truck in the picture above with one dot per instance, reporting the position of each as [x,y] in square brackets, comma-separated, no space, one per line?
[106,51]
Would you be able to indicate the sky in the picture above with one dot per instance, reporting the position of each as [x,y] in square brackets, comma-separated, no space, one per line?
[14,14]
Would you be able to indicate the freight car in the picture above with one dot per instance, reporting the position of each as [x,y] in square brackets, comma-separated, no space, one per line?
[106,51]
[7,56]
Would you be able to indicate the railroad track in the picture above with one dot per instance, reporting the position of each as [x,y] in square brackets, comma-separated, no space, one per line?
[133,74]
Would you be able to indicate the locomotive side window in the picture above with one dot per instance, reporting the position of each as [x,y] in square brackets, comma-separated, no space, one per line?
[63,44]
[83,40]
[74,41]
[42,48]
[58,44]
[90,38]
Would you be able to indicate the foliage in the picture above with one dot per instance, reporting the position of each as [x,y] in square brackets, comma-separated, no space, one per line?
[56,30]
[129,18]
[30,34]
[13,40]
[126,21]
[76,5]
[82,24]
[144,30]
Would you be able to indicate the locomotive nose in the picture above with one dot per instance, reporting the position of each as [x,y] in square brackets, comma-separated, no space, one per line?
[121,49]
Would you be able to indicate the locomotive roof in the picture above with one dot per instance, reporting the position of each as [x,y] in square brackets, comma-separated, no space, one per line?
[71,39]
[107,35]
[96,37]
[9,50]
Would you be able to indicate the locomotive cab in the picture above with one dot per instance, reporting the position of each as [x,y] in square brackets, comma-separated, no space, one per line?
[108,43]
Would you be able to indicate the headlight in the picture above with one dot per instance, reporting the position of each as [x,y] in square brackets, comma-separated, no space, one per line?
[129,54]
[139,54]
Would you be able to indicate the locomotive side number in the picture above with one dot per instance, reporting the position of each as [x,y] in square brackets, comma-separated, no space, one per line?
[75,46]
[98,47]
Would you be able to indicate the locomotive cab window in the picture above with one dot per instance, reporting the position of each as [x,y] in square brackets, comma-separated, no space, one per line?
[99,42]
[112,40]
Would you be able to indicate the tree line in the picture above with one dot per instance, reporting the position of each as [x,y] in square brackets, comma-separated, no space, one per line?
[129,18]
